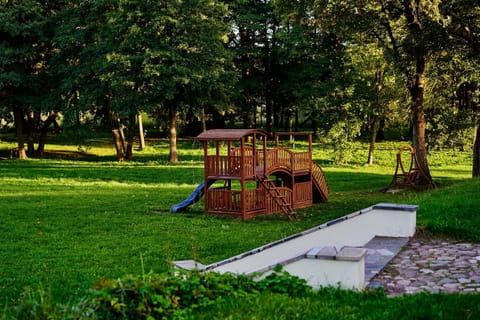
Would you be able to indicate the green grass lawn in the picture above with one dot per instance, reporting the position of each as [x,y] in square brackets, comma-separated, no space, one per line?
[66,223]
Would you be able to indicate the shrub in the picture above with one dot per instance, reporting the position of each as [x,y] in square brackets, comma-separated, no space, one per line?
[155,296]
[170,295]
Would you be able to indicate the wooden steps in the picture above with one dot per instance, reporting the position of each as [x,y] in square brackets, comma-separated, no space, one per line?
[273,191]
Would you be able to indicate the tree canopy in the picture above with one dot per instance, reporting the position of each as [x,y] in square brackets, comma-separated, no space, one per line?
[341,69]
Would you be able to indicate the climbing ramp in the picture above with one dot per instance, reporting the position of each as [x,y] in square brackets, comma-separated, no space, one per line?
[320,184]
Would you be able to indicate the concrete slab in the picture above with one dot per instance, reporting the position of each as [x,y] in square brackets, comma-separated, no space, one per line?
[380,250]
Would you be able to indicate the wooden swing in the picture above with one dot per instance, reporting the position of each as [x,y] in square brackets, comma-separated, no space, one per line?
[407,178]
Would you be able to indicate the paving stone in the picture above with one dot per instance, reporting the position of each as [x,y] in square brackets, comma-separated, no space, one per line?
[446,281]
[432,265]
[403,282]
[439,265]
[426,271]
[411,289]
[451,285]
[464,280]
[446,258]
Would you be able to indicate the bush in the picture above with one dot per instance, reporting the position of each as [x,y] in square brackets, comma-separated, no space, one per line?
[161,296]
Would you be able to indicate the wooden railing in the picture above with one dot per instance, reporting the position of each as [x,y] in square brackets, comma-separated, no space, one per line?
[303,194]
[302,161]
[222,200]
[284,158]
[279,158]
[254,200]
[229,166]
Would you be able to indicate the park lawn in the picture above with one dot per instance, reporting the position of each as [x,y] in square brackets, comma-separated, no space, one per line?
[68,223]
[335,304]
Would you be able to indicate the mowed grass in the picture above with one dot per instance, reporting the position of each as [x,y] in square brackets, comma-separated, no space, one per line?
[68,223]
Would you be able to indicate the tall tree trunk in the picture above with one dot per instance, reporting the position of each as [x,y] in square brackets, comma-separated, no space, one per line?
[419,121]
[141,134]
[247,120]
[30,133]
[173,156]
[373,140]
[117,136]
[296,119]
[268,111]
[122,136]
[204,119]
[117,140]
[381,130]
[130,137]
[42,139]
[18,118]
[416,84]
[476,154]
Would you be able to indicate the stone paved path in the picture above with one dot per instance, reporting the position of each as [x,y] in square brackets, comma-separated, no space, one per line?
[432,265]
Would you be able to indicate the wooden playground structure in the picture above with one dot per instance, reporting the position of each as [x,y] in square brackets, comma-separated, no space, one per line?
[257,180]
[406,176]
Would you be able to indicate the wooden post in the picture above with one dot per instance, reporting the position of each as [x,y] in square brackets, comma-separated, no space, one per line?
[242,177]
[206,161]
[141,134]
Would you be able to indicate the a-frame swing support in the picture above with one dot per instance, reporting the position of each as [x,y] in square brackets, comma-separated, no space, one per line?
[408,178]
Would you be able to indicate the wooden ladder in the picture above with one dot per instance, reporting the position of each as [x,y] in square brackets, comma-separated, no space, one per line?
[286,207]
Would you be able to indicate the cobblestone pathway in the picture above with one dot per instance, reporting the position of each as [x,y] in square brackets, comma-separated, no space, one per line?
[432,265]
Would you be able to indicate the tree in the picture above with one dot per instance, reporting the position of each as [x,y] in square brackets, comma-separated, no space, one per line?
[308,58]
[192,69]
[283,58]
[462,21]
[24,76]
[375,89]
[79,62]
[409,32]
[130,56]
[251,40]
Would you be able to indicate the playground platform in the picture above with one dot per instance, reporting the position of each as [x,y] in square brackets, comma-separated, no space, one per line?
[247,172]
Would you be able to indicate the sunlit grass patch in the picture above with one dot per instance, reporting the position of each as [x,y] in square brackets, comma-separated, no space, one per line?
[67,223]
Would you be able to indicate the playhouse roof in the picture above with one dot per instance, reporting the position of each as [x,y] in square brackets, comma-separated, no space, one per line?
[229,134]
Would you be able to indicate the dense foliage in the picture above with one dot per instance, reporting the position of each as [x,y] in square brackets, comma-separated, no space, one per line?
[343,70]
[153,296]
[216,296]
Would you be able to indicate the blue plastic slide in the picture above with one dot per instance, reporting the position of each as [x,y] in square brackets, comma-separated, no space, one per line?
[196,195]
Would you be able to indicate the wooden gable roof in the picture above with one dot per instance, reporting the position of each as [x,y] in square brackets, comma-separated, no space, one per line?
[228,134]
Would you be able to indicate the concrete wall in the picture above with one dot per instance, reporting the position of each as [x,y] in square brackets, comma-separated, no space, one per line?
[327,255]
[355,229]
